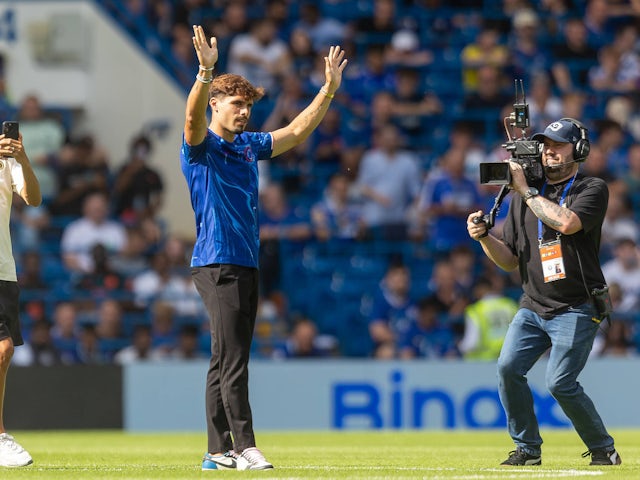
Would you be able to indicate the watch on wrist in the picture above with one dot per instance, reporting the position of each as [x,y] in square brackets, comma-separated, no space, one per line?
[530,193]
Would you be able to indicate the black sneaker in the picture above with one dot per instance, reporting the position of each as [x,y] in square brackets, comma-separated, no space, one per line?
[519,457]
[602,457]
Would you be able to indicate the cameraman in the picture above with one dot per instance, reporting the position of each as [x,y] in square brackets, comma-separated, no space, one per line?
[553,236]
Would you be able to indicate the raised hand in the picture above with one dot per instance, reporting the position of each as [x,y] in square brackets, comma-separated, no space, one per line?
[12,148]
[207,51]
[334,64]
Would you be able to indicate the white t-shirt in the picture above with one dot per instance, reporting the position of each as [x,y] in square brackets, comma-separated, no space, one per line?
[256,73]
[179,291]
[629,281]
[82,234]
[11,180]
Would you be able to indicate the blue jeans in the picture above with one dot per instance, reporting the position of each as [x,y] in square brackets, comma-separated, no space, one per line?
[570,336]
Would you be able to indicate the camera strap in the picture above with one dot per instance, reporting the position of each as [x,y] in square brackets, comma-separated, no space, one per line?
[551,252]
[599,297]
[591,295]
[567,187]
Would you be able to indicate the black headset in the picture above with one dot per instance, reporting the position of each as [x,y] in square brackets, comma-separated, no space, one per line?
[582,147]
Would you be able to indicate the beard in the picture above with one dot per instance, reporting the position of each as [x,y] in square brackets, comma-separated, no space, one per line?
[559,173]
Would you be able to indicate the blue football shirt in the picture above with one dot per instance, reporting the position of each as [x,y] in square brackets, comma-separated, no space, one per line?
[223,184]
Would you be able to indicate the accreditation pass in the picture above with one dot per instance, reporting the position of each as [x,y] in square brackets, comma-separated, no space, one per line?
[552,263]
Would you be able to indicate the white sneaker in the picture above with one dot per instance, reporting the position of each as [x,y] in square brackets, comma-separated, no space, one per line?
[252,459]
[226,461]
[11,453]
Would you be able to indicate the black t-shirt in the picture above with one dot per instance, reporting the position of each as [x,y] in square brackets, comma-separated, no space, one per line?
[588,198]
[145,183]
[83,180]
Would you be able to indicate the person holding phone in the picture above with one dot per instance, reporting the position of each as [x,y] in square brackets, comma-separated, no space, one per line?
[16,175]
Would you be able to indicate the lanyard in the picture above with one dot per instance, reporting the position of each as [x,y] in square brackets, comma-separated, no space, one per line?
[564,195]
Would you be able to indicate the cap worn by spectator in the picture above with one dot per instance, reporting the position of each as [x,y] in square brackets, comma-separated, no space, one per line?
[405,40]
[525,18]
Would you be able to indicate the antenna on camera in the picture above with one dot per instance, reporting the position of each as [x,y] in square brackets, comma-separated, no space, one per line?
[520,107]
[527,153]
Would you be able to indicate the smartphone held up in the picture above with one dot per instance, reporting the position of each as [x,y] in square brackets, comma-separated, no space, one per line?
[10,129]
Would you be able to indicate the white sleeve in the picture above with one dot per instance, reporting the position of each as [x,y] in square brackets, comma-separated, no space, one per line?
[471,337]
[17,175]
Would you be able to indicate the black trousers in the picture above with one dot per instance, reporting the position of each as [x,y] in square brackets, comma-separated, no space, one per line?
[230,295]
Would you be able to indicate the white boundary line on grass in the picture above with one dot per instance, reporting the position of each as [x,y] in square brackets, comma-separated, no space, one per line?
[517,474]
[547,473]
[512,475]
[491,473]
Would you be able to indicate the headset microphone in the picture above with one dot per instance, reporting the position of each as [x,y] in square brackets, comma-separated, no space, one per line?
[558,167]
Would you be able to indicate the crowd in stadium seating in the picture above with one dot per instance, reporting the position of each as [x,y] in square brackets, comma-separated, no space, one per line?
[364,246]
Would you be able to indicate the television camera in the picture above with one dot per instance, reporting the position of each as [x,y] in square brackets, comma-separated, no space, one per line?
[524,151]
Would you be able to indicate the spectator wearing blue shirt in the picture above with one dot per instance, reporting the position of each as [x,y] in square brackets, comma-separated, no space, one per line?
[337,216]
[304,341]
[598,15]
[327,144]
[447,293]
[427,336]
[219,160]
[282,229]
[391,310]
[613,141]
[444,201]
[303,55]
[6,107]
[372,76]
[65,331]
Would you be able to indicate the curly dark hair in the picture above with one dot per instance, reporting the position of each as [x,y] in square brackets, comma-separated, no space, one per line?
[230,84]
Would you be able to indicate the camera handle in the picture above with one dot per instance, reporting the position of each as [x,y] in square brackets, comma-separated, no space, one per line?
[490,218]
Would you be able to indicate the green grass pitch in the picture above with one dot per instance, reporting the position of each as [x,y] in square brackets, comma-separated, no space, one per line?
[371,455]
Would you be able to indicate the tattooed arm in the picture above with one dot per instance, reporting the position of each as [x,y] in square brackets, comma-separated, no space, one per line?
[553,215]
[301,127]
[559,218]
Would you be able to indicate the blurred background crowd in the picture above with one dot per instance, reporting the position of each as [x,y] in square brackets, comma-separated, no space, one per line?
[364,250]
